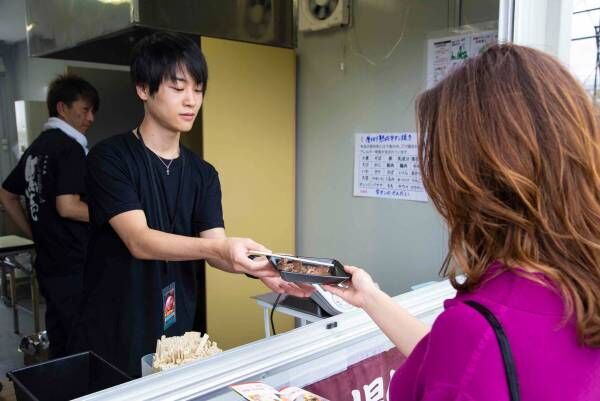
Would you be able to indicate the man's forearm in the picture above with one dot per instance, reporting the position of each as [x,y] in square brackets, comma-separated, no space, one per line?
[221,265]
[72,207]
[146,243]
[79,211]
[157,245]
[14,209]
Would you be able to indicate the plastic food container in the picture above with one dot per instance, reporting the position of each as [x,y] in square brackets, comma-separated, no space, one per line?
[309,270]
[146,362]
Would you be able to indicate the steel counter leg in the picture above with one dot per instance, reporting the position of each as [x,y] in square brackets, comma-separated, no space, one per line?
[13,300]
[4,276]
[35,302]
[267,319]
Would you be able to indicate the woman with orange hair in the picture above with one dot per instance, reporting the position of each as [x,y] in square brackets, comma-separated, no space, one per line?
[509,150]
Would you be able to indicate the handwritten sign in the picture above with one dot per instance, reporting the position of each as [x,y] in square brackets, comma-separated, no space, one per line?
[386,166]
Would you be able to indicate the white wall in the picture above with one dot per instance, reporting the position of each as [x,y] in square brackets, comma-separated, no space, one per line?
[400,242]
[544,25]
[475,11]
[120,108]
[34,74]
[29,77]
[25,78]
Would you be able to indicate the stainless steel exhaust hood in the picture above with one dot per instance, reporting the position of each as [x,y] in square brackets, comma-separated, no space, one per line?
[105,30]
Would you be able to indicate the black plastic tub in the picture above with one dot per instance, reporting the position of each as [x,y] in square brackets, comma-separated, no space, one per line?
[65,378]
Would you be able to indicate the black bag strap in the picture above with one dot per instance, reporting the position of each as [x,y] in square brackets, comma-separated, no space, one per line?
[509,364]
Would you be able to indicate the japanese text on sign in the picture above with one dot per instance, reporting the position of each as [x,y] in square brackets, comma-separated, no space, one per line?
[386,166]
[447,53]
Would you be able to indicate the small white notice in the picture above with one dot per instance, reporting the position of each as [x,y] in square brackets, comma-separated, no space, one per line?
[386,166]
[446,53]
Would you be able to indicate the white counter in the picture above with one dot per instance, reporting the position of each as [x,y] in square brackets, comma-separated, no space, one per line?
[299,357]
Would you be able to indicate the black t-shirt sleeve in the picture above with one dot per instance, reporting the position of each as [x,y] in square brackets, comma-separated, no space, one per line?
[111,190]
[70,171]
[15,182]
[208,211]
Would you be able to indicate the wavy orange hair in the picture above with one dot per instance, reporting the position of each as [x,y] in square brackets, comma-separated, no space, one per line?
[510,155]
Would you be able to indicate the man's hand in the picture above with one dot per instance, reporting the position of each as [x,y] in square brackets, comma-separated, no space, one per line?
[234,251]
[280,286]
[13,207]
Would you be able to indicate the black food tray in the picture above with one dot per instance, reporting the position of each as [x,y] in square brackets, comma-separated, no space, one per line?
[336,272]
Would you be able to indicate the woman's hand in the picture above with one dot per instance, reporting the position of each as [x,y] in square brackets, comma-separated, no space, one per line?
[397,323]
[358,291]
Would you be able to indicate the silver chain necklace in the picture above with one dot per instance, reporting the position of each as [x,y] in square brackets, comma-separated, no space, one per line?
[168,166]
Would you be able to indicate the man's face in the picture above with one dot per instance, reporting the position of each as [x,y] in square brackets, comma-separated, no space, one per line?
[79,115]
[176,103]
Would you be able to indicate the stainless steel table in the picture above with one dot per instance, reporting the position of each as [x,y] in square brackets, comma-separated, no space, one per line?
[306,310]
[10,246]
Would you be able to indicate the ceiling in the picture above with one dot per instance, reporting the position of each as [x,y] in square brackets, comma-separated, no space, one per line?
[12,20]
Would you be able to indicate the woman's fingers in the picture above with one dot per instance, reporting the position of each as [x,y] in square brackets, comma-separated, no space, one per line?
[351,269]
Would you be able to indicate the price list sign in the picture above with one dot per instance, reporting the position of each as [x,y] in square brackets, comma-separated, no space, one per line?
[386,166]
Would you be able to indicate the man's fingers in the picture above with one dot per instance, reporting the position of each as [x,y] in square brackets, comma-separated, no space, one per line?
[258,264]
[333,289]
[279,285]
[297,292]
[307,289]
[300,290]
[255,246]
[259,267]
[264,273]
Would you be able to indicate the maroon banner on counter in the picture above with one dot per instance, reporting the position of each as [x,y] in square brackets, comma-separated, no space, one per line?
[367,380]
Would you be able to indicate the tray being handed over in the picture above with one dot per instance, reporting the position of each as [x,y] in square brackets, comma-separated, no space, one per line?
[299,269]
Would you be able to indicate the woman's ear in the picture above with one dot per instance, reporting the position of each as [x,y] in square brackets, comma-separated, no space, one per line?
[143,92]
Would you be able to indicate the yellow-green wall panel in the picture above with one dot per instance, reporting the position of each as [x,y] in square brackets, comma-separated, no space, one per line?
[249,136]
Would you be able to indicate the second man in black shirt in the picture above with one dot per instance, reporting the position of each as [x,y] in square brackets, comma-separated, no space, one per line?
[50,175]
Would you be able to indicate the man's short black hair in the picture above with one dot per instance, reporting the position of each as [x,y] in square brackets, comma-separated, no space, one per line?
[69,88]
[162,55]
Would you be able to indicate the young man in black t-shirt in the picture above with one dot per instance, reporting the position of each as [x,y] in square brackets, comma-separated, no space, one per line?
[155,207]
[50,175]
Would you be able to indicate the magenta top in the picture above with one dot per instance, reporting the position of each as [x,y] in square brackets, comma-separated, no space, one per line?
[460,358]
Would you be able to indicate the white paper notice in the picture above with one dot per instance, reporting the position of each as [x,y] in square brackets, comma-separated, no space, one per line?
[445,54]
[386,166]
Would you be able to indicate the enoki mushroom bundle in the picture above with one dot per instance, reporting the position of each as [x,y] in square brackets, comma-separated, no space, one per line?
[179,350]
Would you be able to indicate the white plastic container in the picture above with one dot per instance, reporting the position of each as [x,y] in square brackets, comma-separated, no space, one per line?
[146,362]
